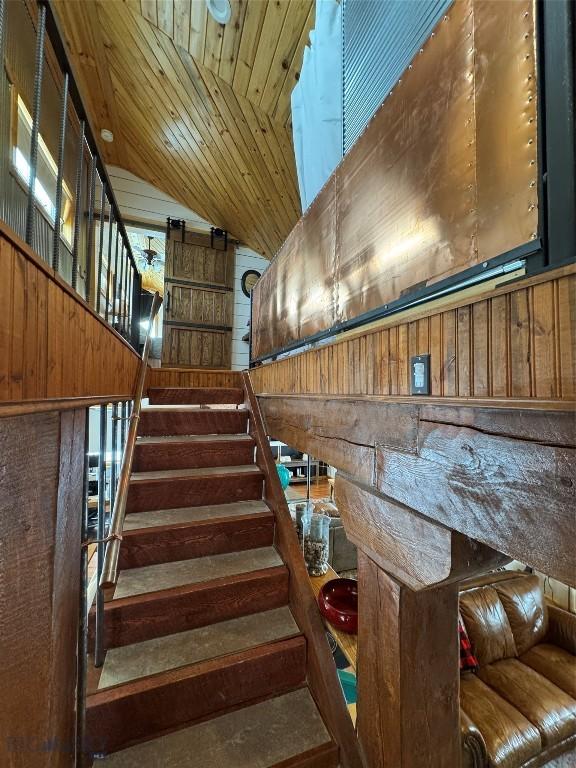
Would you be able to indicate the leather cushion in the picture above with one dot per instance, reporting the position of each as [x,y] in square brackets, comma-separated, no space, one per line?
[511,740]
[547,707]
[554,663]
[523,601]
[487,625]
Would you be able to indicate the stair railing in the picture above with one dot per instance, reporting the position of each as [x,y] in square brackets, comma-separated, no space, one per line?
[109,574]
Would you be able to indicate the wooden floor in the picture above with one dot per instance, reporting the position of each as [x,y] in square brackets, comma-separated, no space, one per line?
[318,490]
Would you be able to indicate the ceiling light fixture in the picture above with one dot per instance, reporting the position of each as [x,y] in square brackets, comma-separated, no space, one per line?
[107,135]
[220,10]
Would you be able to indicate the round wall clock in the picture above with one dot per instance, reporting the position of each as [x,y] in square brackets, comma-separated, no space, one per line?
[249,280]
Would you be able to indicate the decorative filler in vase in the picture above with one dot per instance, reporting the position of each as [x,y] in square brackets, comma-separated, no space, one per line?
[284,475]
[316,545]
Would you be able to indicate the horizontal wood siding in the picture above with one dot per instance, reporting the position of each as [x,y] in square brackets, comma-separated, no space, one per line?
[517,342]
[52,344]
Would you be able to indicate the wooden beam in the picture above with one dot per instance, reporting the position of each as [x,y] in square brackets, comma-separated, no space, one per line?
[407,545]
[502,473]
[408,677]
[514,495]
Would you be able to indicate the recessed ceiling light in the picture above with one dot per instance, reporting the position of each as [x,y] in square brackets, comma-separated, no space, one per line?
[107,135]
[221,10]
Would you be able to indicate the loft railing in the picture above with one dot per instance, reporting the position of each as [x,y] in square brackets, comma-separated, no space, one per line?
[54,188]
[108,563]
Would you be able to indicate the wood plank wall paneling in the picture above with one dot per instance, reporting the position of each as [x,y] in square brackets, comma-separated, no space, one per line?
[518,342]
[191,377]
[40,512]
[52,344]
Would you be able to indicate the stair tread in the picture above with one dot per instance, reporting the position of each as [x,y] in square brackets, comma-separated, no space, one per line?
[181,515]
[258,736]
[166,474]
[169,407]
[150,657]
[153,578]
[223,438]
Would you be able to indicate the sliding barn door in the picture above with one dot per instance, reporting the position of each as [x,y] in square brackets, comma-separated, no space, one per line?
[198,306]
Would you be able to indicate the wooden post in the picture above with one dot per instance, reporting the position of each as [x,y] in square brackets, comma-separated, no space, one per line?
[408,677]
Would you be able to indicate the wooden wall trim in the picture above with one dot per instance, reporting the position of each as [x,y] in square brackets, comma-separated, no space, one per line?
[9,234]
[52,344]
[515,342]
[65,404]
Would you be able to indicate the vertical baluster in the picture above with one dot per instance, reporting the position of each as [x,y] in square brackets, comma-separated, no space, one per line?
[60,175]
[110,222]
[90,232]
[99,634]
[78,205]
[115,283]
[38,73]
[114,464]
[83,628]
[130,291]
[126,288]
[121,290]
[101,247]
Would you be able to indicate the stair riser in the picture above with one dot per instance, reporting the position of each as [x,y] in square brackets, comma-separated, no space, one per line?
[145,496]
[224,453]
[325,756]
[201,422]
[139,710]
[132,620]
[196,396]
[162,545]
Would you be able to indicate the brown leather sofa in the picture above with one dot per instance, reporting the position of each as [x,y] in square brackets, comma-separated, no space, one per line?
[519,709]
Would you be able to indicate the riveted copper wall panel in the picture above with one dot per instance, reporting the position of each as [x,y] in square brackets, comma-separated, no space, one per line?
[295,297]
[405,200]
[506,140]
[440,180]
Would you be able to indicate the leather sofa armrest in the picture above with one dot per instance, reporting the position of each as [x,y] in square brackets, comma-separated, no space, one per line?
[474,754]
[561,628]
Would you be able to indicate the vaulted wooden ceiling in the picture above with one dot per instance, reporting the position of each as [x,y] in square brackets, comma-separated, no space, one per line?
[200,110]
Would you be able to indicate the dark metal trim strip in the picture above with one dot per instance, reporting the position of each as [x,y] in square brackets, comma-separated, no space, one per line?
[450,285]
[198,326]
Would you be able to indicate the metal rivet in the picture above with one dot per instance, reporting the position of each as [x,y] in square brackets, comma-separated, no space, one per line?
[531,207]
[532,183]
[529,77]
[485,264]
[445,18]
[530,141]
[532,162]
[530,98]
[409,66]
[533,236]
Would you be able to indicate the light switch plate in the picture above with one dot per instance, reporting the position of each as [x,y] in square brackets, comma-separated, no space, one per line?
[420,375]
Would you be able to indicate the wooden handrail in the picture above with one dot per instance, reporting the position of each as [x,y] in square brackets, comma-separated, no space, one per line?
[321,670]
[109,575]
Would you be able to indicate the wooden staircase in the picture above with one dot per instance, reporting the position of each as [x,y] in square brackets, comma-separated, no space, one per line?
[205,664]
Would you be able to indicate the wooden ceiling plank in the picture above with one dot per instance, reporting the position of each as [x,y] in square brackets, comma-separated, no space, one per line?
[95,83]
[213,43]
[278,209]
[259,127]
[233,32]
[165,11]
[283,109]
[286,50]
[147,87]
[269,38]
[253,22]
[182,23]
[149,10]
[198,13]
[213,118]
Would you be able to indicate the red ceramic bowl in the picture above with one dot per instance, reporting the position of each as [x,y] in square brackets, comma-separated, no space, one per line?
[338,602]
